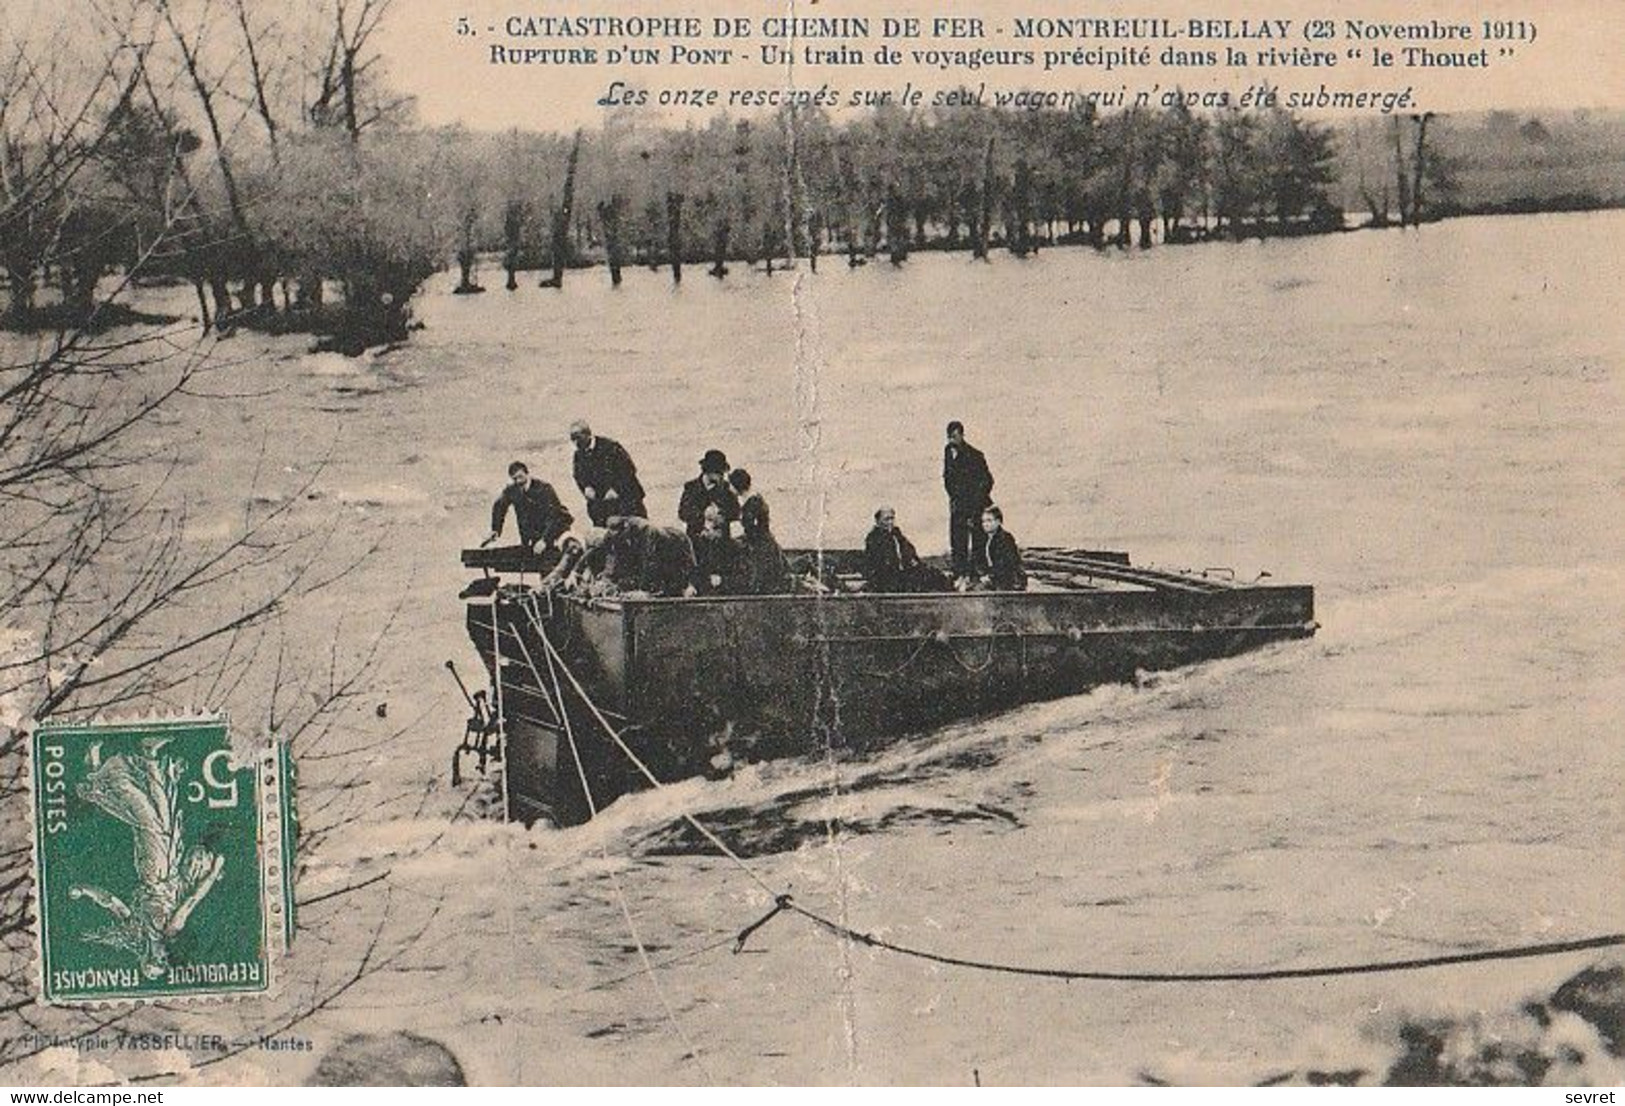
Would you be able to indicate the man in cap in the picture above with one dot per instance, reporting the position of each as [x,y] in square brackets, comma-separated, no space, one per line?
[606,476]
[542,517]
[710,486]
[969,484]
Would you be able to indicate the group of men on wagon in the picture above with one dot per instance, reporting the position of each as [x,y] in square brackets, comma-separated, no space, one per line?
[726,544]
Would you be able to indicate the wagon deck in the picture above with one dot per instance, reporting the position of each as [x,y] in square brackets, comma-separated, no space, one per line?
[688,680]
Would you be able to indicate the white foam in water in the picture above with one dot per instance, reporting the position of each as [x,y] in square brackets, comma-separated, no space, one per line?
[1421,446]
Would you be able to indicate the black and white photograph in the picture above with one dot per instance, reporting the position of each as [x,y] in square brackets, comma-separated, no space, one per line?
[738,544]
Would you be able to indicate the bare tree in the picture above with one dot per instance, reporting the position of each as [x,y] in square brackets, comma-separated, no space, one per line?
[110,599]
[348,92]
[562,214]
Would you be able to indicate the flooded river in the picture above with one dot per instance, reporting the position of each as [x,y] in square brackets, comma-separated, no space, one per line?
[1426,426]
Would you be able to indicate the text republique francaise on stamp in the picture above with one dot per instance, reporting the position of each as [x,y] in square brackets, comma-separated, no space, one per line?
[161,860]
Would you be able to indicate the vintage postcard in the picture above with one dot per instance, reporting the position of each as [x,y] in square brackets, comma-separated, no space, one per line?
[812,544]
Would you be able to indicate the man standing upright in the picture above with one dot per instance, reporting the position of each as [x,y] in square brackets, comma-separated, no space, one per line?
[969,484]
[606,476]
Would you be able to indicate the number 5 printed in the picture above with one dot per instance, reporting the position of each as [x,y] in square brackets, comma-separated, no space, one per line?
[220,793]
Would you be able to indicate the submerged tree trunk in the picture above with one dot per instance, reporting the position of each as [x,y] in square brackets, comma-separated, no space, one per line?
[1376,203]
[984,216]
[674,234]
[309,293]
[562,217]
[1418,166]
[897,238]
[465,267]
[221,291]
[468,253]
[20,308]
[204,318]
[79,278]
[1019,220]
[513,240]
[719,249]
[1403,177]
[377,309]
[609,217]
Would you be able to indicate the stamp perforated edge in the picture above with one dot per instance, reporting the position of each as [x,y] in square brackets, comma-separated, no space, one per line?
[264,765]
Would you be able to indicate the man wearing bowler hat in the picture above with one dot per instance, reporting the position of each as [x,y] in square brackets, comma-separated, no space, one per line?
[710,486]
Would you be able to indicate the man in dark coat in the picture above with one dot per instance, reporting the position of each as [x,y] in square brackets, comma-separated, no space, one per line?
[647,559]
[891,563]
[996,562]
[969,484]
[710,486]
[542,518]
[716,557]
[763,569]
[606,476]
[739,480]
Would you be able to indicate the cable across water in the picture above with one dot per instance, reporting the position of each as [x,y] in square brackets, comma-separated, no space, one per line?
[784,903]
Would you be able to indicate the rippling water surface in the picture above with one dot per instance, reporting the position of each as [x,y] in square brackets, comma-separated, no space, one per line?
[1427,427]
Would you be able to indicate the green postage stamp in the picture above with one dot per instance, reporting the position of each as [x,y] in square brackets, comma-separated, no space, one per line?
[162,860]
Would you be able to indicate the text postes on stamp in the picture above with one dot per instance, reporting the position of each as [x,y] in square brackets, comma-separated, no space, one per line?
[154,878]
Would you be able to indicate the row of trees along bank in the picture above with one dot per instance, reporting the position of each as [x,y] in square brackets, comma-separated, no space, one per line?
[256,154]
[796,184]
[279,177]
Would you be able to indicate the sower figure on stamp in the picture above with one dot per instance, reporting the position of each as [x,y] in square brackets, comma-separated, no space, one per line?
[542,518]
[969,484]
[606,476]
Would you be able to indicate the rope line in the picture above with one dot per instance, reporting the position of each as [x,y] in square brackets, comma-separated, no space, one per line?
[785,904]
[614,878]
[496,698]
[666,962]
[1320,972]
[904,667]
[946,640]
[637,761]
[557,708]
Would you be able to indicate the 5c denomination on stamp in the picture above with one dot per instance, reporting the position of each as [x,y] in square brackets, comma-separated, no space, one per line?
[159,860]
